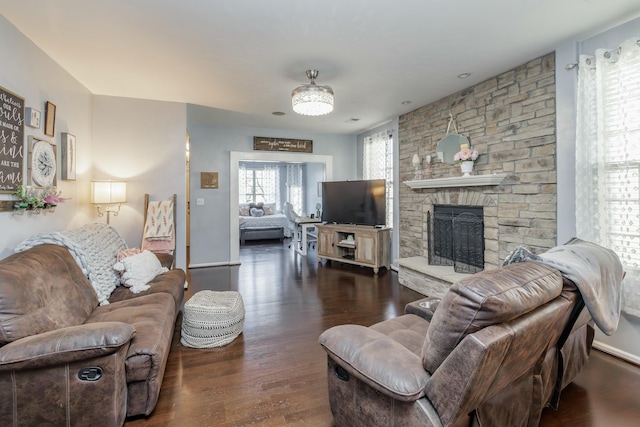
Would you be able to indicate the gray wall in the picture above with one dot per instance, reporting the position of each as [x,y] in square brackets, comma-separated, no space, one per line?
[31,74]
[137,140]
[144,143]
[210,152]
[626,341]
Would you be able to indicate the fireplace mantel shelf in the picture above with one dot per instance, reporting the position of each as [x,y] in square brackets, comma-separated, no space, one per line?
[458,181]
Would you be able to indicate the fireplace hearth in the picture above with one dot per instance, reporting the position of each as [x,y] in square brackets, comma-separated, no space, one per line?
[456,237]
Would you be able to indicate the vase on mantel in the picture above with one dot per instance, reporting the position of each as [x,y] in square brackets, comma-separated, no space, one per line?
[466,168]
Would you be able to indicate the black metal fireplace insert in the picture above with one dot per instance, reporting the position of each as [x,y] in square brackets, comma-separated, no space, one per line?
[456,237]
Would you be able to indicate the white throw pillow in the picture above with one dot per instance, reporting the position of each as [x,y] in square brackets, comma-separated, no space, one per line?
[138,270]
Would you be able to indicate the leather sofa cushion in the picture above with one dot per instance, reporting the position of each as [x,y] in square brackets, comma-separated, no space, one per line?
[152,317]
[171,282]
[487,298]
[378,360]
[408,330]
[42,289]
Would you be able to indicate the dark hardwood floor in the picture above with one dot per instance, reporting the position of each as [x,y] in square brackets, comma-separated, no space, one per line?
[274,374]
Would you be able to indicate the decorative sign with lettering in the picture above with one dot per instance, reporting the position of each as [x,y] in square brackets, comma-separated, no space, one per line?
[280,144]
[208,179]
[11,140]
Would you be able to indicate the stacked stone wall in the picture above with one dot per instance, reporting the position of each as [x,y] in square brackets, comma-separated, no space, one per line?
[511,121]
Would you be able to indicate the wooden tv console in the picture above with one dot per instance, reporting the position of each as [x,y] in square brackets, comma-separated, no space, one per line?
[355,244]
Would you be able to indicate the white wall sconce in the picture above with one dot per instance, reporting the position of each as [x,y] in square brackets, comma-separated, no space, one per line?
[109,193]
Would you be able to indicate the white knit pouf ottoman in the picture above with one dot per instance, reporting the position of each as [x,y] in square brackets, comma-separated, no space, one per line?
[212,319]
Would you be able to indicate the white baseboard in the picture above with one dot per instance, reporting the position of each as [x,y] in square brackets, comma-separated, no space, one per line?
[213,264]
[616,352]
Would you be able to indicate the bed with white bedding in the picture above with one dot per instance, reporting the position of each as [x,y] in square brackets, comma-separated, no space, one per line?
[269,225]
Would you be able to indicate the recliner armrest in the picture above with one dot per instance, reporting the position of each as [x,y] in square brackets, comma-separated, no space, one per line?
[81,342]
[376,359]
[423,308]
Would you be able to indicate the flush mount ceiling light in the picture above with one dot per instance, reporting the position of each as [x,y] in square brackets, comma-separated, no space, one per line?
[312,99]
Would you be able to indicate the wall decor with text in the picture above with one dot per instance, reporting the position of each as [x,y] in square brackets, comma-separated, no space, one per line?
[282,144]
[208,179]
[11,140]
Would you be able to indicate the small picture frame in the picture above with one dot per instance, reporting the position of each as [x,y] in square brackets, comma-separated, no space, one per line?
[32,117]
[50,119]
[208,179]
[68,157]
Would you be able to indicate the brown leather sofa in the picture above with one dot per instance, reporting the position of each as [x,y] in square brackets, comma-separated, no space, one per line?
[64,359]
[500,347]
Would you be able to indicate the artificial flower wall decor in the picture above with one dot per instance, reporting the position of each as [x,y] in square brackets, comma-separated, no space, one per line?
[32,198]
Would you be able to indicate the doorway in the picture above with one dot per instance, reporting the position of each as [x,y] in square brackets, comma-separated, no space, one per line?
[234,163]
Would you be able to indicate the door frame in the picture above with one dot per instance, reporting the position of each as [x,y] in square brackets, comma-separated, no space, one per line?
[234,163]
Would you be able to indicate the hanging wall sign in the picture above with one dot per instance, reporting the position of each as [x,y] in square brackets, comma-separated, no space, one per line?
[11,140]
[280,144]
[208,179]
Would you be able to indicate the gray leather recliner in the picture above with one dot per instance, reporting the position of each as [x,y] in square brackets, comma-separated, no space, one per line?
[500,347]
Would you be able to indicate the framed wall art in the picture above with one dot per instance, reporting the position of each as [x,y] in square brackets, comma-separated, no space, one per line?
[11,140]
[68,157]
[50,119]
[43,163]
[208,179]
[32,117]
[282,144]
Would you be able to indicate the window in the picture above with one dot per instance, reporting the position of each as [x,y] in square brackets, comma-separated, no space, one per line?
[377,163]
[608,159]
[258,185]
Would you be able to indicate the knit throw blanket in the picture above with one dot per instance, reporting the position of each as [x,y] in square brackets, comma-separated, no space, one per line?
[595,270]
[94,248]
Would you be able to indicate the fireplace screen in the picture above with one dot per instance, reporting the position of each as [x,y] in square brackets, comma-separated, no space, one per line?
[456,237]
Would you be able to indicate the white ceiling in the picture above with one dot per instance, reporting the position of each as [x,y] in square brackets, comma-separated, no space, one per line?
[242,58]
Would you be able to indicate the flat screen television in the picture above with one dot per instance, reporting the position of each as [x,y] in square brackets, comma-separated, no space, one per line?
[354,202]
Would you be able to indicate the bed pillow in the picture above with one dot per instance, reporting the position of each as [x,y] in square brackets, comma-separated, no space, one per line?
[138,270]
[268,210]
[256,212]
[244,210]
[125,253]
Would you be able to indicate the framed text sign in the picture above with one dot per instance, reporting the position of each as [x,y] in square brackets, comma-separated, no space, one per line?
[208,179]
[11,140]
[280,144]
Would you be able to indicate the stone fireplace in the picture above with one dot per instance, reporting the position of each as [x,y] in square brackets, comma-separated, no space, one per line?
[510,121]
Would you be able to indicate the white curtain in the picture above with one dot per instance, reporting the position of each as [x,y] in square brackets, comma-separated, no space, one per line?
[377,163]
[271,183]
[242,183]
[294,186]
[608,158]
